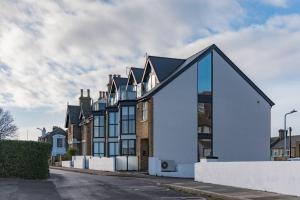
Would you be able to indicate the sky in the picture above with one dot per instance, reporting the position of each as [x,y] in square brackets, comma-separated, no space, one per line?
[49,50]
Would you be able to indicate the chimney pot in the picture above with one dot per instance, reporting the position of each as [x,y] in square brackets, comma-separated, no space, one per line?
[81,92]
[88,92]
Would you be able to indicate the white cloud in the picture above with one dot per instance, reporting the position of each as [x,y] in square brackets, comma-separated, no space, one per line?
[53,48]
[276,3]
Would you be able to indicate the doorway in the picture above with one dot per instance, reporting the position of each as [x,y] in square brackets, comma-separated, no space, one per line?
[144,154]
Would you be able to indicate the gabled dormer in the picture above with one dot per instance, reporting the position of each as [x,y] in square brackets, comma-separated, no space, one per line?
[133,86]
[117,89]
[157,69]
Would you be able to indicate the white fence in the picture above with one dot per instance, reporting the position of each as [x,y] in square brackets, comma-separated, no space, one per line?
[67,163]
[182,170]
[104,164]
[81,162]
[119,163]
[273,176]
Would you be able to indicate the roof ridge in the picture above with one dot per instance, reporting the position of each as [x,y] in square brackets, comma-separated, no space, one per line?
[167,57]
[136,68]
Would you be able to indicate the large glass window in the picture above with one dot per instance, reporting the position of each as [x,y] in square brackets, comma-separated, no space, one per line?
[205,106]
[113,148]
[128,120]
[99,130]
[99,149]
[113,124]
[128,147]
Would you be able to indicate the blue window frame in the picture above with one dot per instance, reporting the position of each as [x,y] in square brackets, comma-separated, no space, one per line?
[99,149]
[113,124]
[128,120]
[113,149]
[99,128]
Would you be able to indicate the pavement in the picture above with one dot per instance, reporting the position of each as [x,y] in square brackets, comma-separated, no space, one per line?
[68,184]
[188,186]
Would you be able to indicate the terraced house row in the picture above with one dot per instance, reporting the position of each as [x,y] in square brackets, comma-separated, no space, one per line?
[173,112]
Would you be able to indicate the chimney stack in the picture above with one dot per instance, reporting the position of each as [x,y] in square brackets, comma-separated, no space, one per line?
[81,92]
[88,92]
[102,95]
[109,82]
[281,133]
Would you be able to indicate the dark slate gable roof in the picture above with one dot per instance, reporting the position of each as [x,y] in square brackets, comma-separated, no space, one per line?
[164,67]
[73,113]
[274,140]
[120,81]
[137,73]
[280,143]
[193,59]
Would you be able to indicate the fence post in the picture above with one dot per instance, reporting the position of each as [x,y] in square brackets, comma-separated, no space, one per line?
[127,162]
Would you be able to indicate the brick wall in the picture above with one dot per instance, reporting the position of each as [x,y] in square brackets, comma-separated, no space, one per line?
[144,136]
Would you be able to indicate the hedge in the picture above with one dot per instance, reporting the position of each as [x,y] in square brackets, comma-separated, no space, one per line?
[24,159]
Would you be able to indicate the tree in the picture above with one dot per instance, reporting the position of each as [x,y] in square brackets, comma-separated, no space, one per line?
[7,126]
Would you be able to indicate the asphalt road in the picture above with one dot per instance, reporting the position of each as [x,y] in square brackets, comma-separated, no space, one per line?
[63,185]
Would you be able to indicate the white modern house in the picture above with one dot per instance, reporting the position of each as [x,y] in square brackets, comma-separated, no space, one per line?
[208,108]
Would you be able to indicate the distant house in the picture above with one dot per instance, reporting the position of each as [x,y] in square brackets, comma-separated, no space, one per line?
[277,146]
[57,137]
[78,123]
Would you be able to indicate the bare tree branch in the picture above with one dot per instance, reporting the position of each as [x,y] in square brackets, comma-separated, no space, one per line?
[7,126]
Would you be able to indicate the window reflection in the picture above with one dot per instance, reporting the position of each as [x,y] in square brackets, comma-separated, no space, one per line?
[204,107]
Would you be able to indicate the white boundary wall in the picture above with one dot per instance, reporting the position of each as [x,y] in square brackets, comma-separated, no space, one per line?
[104,164]
[78,162]
[67,163]
[182,170]
[272,176]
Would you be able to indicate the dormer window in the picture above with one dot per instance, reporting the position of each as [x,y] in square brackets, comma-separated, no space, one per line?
[150,79]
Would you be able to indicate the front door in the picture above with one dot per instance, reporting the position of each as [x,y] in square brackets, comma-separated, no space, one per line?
[144,154]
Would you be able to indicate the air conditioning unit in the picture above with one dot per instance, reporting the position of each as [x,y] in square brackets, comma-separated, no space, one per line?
[168,166]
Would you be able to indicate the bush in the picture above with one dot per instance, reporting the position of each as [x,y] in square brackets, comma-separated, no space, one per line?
[71,152]
[24,159]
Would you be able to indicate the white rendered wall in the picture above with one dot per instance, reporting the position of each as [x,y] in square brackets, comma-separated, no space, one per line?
[273,176]
[241,117]
[175,119]
[79,163]
[104,164]
[67,163]
[182,170]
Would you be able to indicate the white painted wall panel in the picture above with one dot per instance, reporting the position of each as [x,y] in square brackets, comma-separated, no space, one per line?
[272,176]
[182,170]
[104,163]
[241,117]
[175,119]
